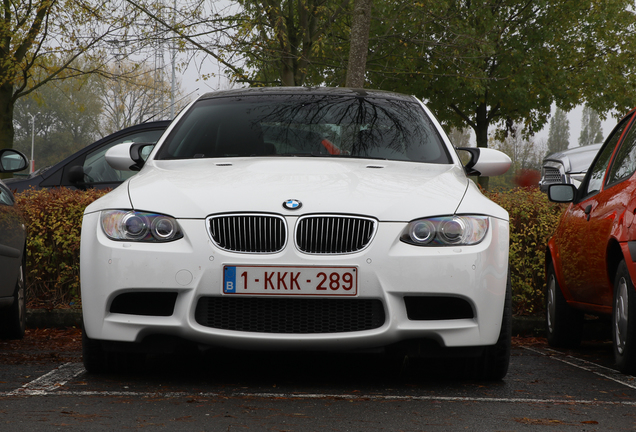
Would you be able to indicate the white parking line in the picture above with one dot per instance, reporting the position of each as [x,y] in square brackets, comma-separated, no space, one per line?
[51,381]
[345,397]
[51,384]
[602,371]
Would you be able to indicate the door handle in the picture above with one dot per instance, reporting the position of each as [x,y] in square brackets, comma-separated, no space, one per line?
[588,210]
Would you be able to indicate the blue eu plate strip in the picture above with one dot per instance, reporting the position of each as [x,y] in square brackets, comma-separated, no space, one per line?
[229,286]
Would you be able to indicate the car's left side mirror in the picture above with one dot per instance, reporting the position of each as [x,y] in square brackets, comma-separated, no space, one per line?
[128,156]
[484,161]
[561,192]
[12,161]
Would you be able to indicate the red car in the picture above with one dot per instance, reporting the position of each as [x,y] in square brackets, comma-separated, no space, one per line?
[591,259]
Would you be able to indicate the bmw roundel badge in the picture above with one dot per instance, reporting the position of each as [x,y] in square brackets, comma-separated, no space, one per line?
[292,204]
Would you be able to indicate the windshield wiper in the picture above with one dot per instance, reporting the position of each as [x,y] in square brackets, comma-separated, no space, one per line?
[327,155]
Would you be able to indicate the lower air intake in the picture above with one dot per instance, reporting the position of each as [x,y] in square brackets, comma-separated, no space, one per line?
[286,315]
[425,308]
[148,303]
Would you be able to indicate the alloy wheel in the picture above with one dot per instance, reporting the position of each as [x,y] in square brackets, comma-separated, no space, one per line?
[551,303]
[621,315]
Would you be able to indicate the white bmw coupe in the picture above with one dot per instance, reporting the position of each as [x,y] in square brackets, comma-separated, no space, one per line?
[298,219]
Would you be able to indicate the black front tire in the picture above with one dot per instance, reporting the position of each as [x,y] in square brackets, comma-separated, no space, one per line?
[97,360]
[563,322]
[624,321]
[93,355]
[494,361]
[13,323]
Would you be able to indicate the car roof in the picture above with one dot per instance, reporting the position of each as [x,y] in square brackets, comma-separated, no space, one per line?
[576,150]
[287,91]
[579,157]
[53,168]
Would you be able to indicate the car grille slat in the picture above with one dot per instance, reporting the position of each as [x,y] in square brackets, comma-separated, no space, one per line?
[287,315]
[248,233]
[324,234]
[552,175]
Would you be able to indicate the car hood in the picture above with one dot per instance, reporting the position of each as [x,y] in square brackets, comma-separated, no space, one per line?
[387,190]
[576,159]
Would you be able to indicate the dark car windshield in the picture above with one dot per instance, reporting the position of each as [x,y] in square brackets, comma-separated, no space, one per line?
[306,125]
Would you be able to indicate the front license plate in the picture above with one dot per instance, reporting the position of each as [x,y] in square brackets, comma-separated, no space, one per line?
[272,280]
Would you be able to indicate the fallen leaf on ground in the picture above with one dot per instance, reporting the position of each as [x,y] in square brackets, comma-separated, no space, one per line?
[41,346]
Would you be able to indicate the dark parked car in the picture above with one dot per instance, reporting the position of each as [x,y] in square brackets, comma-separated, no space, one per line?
[591,259]
[87,168]
[12,253]
[568,166]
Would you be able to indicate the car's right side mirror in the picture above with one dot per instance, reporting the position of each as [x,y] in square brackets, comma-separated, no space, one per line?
[77,177]
[561,193]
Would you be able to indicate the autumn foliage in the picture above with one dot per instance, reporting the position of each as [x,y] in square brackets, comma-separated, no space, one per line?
[54,221]
[533,220]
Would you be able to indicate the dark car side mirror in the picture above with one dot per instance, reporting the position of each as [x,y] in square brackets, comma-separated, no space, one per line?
[561,193]
[77,177]
[12,161]
[76,174]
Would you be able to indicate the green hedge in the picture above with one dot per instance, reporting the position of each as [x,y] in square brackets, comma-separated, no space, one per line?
[54,220]
[533,219]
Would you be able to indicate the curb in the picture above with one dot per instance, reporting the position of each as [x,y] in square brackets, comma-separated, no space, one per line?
[528,326]
[56,318]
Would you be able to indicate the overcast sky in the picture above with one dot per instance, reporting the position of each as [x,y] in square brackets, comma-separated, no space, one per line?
[190,84]
[575,116]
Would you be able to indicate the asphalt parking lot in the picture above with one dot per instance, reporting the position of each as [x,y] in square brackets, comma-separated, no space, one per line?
[43,386]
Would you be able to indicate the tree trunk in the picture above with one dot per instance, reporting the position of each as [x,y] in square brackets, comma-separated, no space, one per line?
[6,116]
[359,43]
[287,75]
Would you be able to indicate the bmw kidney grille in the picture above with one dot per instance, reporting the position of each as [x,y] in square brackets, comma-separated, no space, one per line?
[328,234]
[249,233]
[315,234]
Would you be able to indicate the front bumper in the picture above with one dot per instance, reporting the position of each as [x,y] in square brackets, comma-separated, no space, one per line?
[388,271]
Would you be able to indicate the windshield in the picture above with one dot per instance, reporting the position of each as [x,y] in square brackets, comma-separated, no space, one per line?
[306,125]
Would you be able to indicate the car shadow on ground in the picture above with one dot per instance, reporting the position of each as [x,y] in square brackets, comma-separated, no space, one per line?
[298,369]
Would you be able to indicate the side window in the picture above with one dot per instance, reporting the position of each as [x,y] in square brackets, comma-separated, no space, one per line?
[97,170]
[597,171]
[624,163]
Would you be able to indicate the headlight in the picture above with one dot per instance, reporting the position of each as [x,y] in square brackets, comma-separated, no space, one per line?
[130,225]
[446,231]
